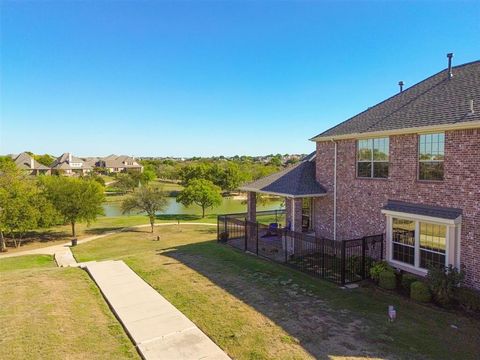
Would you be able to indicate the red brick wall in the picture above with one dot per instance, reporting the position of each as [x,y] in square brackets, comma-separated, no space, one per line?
[359,200]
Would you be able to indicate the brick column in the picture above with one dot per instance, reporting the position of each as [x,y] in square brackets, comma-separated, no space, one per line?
[251,206]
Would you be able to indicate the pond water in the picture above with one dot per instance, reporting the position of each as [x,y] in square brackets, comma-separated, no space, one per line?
[228,206]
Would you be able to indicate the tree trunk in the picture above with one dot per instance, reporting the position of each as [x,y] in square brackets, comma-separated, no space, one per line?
[152,222]
[73,229]
[3,245]
[203,211]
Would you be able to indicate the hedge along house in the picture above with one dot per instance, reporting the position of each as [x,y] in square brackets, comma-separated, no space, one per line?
[408,167]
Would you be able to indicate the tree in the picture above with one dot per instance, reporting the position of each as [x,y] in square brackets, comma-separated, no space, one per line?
[76,199]
[126,182]
[44,159]
[23,206]
[202,193]
[147,199]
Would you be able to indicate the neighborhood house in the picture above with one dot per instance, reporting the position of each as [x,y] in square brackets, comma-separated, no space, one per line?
[408,167]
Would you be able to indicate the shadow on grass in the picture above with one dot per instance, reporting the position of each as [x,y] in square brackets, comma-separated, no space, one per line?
[328,321]
[279,293]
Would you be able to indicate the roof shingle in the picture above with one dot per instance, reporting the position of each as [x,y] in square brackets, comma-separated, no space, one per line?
[434,101]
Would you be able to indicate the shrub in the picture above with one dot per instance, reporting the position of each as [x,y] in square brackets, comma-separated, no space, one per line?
[442,282]
[419,291]
[355,264]
[407,280]
[468,299]
[378,268]
[224,236]
[387,280]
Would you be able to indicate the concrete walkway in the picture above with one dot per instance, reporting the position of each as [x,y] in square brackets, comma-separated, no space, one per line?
[156,327]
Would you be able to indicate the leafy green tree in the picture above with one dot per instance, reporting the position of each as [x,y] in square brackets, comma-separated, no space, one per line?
[126,182]
[146,199]
[44,159]
[23,206]
[202,193]
[76,199]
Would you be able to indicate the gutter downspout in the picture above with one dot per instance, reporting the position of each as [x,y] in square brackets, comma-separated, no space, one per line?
[335,193]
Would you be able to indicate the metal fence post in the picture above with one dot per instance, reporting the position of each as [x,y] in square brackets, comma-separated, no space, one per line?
[364,270]
[342,270]
[285,245]
[257,238]
[246,235]
[218,228]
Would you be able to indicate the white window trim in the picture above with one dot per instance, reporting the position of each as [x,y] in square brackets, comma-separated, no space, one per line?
[452,240]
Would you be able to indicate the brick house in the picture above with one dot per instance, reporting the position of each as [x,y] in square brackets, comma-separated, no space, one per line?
[408,167]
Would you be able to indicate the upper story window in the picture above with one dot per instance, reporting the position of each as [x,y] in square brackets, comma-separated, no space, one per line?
[372,158]
[431,156]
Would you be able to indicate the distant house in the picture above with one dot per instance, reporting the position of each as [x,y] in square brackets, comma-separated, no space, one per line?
[67,164]
[117,164]
[27,163]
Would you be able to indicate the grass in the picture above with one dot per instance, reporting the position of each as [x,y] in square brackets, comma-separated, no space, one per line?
[26,262]
[51,313]
[62,234]
[256,309]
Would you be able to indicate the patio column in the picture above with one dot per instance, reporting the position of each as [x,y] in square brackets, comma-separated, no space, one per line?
[293,207]
[251,206]
[297,215]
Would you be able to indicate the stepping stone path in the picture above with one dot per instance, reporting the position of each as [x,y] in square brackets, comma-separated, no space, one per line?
[157,328]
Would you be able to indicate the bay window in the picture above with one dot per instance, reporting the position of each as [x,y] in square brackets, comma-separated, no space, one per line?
[419,244]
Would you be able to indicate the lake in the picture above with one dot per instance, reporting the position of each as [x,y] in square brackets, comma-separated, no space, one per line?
[228,206]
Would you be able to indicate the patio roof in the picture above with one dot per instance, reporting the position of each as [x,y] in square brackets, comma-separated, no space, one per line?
[296,181]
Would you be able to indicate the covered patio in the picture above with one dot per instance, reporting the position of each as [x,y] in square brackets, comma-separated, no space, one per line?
[298,186]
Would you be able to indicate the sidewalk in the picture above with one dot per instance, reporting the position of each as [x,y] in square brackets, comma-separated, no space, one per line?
[156,327]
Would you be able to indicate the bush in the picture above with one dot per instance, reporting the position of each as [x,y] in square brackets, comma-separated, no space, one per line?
[419,291]
[468,299]
[443,282]
[224,236]
[355,264]
[378,268]
[387,280]
[407,280]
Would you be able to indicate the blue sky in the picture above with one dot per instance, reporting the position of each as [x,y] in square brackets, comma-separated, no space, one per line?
[211,78]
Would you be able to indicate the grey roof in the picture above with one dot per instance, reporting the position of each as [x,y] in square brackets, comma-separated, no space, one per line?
[434,101]
[422,209]
[296,181]
[62,162]
[24,161]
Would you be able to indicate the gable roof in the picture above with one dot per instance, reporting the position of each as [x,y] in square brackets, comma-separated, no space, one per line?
[435,101]
[24,162]
[296,181]
[62,162]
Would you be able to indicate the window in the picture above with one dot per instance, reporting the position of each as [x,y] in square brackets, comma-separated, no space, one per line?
[433,240]
[431,156]
[372,158]
[403,239]
[418,243]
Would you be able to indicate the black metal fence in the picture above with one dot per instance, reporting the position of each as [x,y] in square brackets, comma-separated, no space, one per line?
[339,261]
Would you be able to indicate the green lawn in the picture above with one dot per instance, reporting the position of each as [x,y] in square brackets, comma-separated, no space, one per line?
[61,234]
[256,309]
[56,313]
